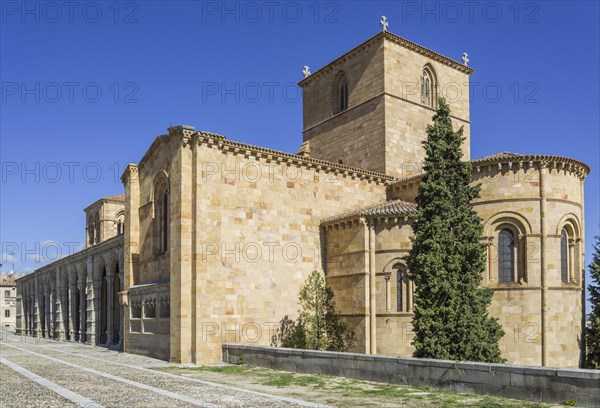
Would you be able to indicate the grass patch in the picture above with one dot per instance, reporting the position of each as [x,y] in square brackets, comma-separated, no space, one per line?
[355,392]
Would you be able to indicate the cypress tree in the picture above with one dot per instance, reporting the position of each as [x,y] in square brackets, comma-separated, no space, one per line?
[592,337]
[447,258]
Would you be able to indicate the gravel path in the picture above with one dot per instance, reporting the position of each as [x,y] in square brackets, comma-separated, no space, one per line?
[111,379]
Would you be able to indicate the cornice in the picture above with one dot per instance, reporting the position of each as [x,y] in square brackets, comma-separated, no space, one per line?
[428,53]
[101,248]
[528,160]
[396,39]
[104,200]
[231,147]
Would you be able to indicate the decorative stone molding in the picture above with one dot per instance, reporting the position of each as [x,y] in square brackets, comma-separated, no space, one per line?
[580,169]
[231,147]
[334,65]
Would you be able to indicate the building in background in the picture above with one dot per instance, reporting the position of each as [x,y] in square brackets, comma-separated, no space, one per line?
[8,301]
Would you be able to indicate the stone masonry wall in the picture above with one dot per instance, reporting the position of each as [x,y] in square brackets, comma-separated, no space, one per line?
[548,385]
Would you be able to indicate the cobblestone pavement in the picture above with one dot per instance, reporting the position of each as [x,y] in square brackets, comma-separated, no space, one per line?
[45,373]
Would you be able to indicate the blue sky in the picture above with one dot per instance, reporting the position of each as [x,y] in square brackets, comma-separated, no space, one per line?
[85,89]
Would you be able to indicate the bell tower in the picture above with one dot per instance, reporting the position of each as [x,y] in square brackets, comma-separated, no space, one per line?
[370,107]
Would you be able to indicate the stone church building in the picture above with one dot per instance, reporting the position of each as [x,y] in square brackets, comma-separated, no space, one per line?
[213,238]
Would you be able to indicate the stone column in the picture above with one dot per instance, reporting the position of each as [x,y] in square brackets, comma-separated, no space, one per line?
[72,294]
[121,317]
[95,313]
[131,238]
[82,312]
[490,249]
[109,308]
[55,312]
[65,313]
[544,270]
[388,293]
[25,310]
[22,327]
[410,289]
[571,258]
[30,313]
[32,319]
[47,313]
[36,307]
[372,290]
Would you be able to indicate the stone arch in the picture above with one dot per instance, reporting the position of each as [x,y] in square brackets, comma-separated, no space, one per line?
[99,267]
[341,93]
[119,222]
[160,212]
[399,274]
[81,272]
[570,255]
[97,229]
[100,297]
[429,86]
[161,181]
[571,222]
[113,261]
[507,217]
[519,228]
[389,266]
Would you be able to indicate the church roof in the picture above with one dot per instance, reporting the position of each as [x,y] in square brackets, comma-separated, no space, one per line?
[395,208]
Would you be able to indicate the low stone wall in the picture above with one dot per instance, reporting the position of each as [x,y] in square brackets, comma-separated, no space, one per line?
[541,384]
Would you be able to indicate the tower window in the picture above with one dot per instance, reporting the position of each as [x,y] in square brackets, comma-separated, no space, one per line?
[428,86]
[342,94]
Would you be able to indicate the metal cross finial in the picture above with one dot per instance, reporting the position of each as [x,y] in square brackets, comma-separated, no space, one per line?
[465,58]
[306,71]
[383,23]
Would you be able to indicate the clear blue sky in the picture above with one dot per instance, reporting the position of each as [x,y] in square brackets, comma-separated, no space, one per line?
[166,63]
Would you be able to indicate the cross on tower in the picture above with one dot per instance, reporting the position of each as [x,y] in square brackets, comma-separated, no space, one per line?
[383,23]
[306,71]
[465,58]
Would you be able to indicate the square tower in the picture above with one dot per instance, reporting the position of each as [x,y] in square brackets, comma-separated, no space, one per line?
[370,107]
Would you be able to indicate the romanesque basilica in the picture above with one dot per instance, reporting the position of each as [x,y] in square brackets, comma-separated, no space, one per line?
[212,239]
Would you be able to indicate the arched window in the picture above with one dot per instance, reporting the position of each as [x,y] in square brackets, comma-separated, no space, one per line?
[400,286]
[506,255]
[342,94]
[404,289]
[91,232]
[97,229]
[160,229]
[428,87]
[564,256]
[165,222]
[120,223]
